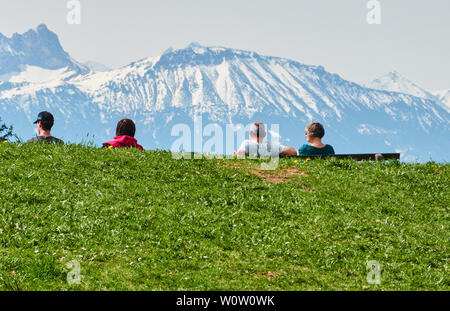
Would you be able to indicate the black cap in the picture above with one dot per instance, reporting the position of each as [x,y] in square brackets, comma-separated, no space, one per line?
[46,117]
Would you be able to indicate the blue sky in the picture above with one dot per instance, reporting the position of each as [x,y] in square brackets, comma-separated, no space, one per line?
[413,37]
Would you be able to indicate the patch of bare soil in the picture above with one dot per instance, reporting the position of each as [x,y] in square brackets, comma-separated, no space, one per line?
[275,177]
[268,274]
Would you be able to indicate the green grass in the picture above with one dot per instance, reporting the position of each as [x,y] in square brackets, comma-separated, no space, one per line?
[144,221]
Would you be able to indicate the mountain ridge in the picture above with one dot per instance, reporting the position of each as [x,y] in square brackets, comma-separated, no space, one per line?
[395,82]
[38,47]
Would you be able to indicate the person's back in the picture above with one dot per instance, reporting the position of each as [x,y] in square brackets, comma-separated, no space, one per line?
[264,149]
[45,139]
[314,133]
[255,147]
[44,123]
[308,150]
[123,141]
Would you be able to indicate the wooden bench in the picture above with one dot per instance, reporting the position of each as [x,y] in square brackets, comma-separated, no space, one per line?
[359,157]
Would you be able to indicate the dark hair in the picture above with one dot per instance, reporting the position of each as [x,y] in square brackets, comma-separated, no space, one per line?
[315,130]
[46,125]
[126,127]
[258,129]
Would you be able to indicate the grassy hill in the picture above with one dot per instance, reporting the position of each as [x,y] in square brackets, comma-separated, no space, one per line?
[144,221]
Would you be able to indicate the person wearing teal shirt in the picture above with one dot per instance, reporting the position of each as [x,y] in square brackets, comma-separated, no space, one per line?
[314,133]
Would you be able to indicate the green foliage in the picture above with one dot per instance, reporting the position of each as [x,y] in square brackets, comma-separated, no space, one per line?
[143,221]
[6,132]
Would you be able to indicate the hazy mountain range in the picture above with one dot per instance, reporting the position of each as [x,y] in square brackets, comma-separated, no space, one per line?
[223,86]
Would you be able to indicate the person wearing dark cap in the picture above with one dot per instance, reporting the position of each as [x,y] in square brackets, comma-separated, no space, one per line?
[124,136]
[44,124]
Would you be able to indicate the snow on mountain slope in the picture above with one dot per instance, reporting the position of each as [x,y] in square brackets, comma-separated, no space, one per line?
[395,82]
[33,74]
[224,85]
[242,83]
[444,98]
[96,66]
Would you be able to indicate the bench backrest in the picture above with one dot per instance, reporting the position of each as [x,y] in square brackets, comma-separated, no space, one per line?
[359,157]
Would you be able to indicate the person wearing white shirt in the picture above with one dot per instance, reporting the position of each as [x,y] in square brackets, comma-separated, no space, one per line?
[256,147]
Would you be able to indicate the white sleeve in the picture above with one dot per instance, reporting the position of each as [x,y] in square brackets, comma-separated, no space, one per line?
[276,149]
[244,147]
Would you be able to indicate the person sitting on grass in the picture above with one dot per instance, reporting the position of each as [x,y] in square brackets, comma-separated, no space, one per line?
[314,133]
[124,136]
[44,122]
[255,147]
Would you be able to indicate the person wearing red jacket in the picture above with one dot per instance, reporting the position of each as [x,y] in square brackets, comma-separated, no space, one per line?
[124,136]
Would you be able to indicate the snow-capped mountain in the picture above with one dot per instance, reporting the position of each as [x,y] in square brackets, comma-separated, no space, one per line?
[96,66]
[36,48]
[444,98]
[395,82]
[223,86]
